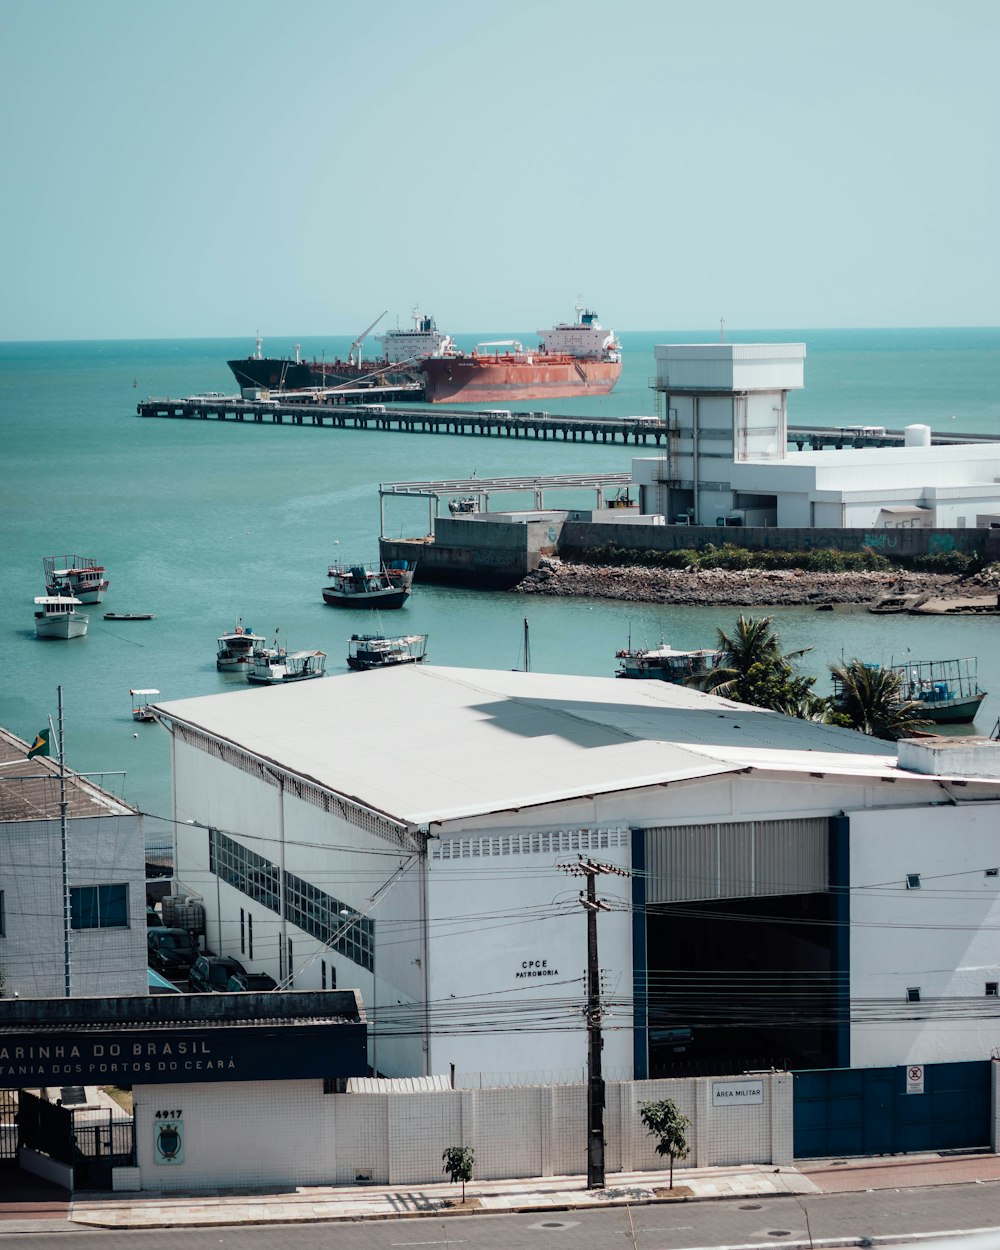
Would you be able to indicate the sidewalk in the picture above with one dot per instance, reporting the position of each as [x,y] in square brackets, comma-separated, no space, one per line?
[323,1203]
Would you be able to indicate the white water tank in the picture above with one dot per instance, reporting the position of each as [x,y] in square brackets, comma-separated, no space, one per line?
[917,436]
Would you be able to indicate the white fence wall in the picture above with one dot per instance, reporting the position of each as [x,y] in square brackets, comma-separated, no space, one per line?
[289,1132]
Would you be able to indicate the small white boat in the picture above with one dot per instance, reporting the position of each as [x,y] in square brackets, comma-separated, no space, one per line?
[663,663]
[275,666]
[367,651]
[238,649]
[58,617]
[76,576]
[140,704]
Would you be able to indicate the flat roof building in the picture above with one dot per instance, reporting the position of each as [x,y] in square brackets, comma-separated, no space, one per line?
[405,833]
[106,873]
[725,457]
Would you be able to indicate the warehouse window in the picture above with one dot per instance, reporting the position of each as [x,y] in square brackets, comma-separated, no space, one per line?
[256,876]
[913,993]
[913,880]
[99,906]
[992,989]
[3,925]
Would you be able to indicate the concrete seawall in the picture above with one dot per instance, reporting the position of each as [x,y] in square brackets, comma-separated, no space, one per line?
[499,554]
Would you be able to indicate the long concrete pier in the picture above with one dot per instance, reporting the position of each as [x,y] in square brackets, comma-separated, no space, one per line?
[410,419]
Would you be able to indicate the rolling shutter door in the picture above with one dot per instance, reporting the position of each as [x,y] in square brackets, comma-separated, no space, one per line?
[739,859]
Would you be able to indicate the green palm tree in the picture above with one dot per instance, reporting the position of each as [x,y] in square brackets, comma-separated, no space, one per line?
[871,699]
[751,668]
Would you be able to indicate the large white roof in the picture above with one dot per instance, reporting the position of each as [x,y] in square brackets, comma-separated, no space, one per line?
[422,743]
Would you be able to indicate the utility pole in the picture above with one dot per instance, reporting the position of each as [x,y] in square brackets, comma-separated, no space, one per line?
[64,856]
[590,869]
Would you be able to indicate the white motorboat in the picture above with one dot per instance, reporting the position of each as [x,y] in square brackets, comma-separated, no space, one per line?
[275,666]
[238,649]
[57,617]
[367,651]
[76,576]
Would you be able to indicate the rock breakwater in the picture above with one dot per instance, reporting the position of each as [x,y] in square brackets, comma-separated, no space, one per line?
[753,588]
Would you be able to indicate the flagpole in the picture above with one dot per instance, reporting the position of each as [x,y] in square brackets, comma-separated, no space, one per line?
[67,966]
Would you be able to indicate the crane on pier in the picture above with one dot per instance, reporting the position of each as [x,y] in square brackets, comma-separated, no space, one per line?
[356,345]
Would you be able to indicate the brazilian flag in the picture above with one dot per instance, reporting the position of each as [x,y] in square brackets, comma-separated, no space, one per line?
[41,744]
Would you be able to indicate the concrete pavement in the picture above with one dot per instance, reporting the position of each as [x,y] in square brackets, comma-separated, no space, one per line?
[322,1203]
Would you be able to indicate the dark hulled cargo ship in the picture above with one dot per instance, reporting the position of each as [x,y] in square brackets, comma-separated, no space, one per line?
[401,354]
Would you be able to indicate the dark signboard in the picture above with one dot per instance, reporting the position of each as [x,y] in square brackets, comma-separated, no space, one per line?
[156,1056]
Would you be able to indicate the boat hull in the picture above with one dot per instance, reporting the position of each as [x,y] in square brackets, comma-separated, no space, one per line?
[472,379]
[390,597]
[365,666]
[289,375]
[61,627]
[280,679]
[960,711]
[93,593]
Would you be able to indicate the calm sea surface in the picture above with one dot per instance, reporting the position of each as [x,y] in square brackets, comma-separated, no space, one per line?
[204,523]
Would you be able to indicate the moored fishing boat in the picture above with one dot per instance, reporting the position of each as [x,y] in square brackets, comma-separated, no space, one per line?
[368,651]
[944,692]
[664,663]
[237,649]
[79,577]
[57,617]
[369,585]
[574,358]
[947,692]
[274,666]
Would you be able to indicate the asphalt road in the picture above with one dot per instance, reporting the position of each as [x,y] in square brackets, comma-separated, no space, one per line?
[774,1222]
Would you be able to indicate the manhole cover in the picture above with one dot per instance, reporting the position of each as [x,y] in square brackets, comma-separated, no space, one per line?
[550,1224]
[779,1232]
[750,1206]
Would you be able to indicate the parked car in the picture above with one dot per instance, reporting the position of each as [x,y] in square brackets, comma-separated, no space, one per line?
[170,951]
[210,973]
[256,981]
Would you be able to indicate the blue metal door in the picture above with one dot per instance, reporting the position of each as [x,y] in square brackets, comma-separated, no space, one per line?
[867,1111]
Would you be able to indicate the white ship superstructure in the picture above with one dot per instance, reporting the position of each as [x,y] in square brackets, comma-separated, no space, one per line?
[585,337]
[424,340]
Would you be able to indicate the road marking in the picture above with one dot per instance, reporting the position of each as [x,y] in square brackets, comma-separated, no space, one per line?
[452,1241]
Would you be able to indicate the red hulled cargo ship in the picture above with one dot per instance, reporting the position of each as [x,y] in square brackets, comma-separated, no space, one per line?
[574,358]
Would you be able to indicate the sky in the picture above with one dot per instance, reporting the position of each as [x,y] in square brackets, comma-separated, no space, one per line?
[203,168]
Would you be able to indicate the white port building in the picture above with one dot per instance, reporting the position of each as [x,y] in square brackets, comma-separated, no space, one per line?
[105,879]
[403,833]
[725,459]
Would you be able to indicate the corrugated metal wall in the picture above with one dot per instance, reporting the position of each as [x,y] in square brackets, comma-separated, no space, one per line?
[742,859]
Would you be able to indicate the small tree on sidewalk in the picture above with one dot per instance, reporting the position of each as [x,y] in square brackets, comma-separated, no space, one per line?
[665,1121]
[458,1163]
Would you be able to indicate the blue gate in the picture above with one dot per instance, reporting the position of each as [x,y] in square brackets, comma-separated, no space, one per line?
[867,1111]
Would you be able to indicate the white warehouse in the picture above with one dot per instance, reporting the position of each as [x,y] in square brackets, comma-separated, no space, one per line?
[725,458]
[800,895]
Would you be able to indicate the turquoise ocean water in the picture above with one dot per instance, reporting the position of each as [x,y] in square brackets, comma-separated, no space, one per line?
[203,523]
